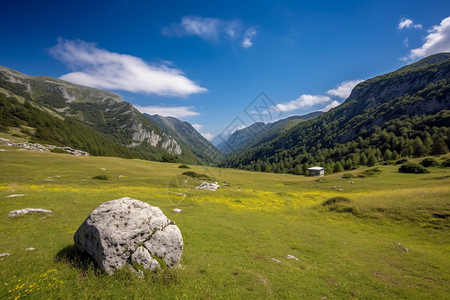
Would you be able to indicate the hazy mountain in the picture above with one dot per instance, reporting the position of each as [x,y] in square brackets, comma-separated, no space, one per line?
[186,134]
[102,111]
[259,133]
[403,113]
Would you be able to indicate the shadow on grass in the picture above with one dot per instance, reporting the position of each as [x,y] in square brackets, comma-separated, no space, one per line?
[70,255]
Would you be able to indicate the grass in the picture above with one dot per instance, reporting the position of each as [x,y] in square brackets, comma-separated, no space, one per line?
[232,234]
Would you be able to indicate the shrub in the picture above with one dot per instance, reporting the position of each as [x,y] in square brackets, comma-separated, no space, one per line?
[372,171]
[446,163]
[412,168]
[100,177]
[183,167]
[348,176]
[401,161]
[335,200]
[197,175]
[429,162]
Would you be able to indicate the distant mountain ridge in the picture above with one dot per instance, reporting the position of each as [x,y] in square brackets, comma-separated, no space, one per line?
[259,133]
[186,134]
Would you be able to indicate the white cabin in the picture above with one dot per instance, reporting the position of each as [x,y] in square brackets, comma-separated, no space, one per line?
[316,171]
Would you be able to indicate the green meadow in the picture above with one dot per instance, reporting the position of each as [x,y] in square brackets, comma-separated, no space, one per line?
[387,236]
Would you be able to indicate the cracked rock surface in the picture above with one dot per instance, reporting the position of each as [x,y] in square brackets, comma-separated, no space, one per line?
[126,229]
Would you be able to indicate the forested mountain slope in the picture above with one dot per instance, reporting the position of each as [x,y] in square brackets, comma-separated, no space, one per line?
[403,113]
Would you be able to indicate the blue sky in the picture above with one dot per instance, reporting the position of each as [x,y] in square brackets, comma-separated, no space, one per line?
[207,62]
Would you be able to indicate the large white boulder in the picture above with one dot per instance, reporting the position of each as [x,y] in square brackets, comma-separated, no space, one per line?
[126,228]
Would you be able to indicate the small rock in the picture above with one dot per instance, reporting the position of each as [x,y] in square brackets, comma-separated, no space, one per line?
[27,211]
[352,182]
[30,249]
[2,150]
[4,254]
[274,259]
[208,186]
[403,248]
[291,257]
[176,210]
[120,176]
[16,195]
[340,190]
[103,169]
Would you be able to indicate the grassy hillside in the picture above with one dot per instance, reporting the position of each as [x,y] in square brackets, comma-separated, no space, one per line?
[389,239]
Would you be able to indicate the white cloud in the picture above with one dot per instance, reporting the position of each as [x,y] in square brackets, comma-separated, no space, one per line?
[408,23]
[303,101]
[344,89]
[333,104]
[102,69]
[249,34]
[437,40]
[206,135]
[211,29]
[176,111]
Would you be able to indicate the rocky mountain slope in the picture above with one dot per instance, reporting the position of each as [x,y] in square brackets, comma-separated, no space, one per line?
[403,113]
[102,111]
[185,134]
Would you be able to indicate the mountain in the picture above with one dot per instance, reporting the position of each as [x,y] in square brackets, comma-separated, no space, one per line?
[185,134]
[259,133]
[103,112]
[402,113]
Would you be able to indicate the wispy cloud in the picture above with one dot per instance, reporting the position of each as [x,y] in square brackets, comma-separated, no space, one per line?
[211,29]
[176,111]
[437,40]
[103,69]
[408,23]
[206,135]
[249,34]
[304,101]
[333,104]
[344,89]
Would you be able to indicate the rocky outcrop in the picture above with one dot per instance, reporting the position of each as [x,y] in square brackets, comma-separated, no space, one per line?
[127,229]
[208,186]
[42,148]
[25,211]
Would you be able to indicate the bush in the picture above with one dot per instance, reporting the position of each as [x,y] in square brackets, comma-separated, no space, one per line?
[429,162]
[372,171]
[183,167]
[335,200]
[197,175]
[348,176]
[401,161]
[413,168]
[446,163]
[100,177]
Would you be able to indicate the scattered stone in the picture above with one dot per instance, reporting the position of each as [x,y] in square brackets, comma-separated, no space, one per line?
[128,229]
[4,254]
[16,195]
[184,180]
[120,176]
[25,211]
[291,257]
[340,190]
[225,184]
[2,150]
[30,249]
[352,182]
[41,148]
[276,260]
[403,248]
[103,169]
[176,210]
[208,186]
[181,194]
